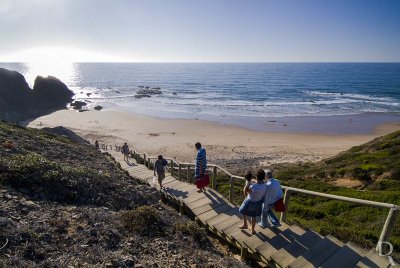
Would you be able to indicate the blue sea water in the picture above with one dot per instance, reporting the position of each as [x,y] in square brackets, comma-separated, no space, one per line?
[225,92]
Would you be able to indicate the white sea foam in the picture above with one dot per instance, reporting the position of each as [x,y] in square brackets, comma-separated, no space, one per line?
[348,95]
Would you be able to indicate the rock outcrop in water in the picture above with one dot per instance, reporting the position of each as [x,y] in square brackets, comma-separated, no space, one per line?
[147,92]
[78,104]
[19,102]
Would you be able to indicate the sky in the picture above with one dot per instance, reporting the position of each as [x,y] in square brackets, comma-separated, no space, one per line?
[200,31]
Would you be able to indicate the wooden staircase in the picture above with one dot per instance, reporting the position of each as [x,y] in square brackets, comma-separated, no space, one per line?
[284,246]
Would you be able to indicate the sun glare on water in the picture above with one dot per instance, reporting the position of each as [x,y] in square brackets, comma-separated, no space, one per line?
[54,61]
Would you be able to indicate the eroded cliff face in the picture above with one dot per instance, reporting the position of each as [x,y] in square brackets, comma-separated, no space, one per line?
[19,102]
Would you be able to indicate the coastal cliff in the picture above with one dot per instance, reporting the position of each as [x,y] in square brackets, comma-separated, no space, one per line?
[19,102]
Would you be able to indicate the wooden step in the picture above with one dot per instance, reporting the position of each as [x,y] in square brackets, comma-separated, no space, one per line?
[231,229]
[168,180]
[234,221]
[182,184]
[193,198]
[200,202]
[182,194]
[258,238]
[223,217]
[140,171]
[279,241]
[214,193]
[214,212]
[318,253]
[192,195]
[204,208]
[289,253]
[175,193]
[207,199]
[293,232]
[187,187]
[347,256]
[177,185]
[262,235]
[372,259]
[172,184]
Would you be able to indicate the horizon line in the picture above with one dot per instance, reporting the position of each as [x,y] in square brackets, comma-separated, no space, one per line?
[216,62]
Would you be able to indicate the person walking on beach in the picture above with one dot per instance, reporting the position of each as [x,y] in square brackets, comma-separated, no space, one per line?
[125,151]
[159,168]
[96,143]
[252,205]
[201,162]
[272,195]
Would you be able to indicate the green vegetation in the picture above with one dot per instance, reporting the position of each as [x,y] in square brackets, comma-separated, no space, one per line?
[57,168]
[374,166]
[139,159]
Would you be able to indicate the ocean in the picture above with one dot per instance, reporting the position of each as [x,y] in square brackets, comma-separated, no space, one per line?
[253,95]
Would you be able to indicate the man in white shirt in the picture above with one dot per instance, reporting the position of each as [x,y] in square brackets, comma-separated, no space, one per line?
[272,195]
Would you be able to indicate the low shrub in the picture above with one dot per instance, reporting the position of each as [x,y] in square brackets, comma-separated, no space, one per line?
[360,174]
[198,233]
[392,135]
[143,220]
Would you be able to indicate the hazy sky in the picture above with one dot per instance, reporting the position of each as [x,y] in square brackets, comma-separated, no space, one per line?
[202,30]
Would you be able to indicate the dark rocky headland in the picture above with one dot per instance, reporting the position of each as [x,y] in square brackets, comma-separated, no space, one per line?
[19,102]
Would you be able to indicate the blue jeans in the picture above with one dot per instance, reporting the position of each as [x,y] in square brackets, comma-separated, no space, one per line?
[267,213]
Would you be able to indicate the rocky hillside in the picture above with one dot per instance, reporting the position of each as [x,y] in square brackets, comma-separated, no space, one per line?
[19,102]
[64,204]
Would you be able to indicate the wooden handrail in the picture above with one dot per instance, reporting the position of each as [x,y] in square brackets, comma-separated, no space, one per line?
[292,189]
[342,198]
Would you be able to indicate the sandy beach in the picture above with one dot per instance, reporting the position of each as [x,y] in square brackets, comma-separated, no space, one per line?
[226,145]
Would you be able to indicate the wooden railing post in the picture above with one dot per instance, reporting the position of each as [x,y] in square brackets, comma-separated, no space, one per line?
[214,179]
[179,171]
[387,230]
[231,190]
[286,201]
[188,173]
